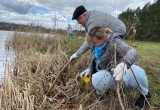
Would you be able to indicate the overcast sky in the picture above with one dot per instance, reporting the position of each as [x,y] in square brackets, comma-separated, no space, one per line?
[43,11]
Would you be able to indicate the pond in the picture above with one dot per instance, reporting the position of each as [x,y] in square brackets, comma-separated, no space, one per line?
[6,55]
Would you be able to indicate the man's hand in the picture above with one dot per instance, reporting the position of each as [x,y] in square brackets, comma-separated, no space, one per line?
[85,73]
[74,56]
[119,71]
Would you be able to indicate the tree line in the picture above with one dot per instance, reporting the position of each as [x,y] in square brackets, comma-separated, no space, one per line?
[35,28]
[145,22]
[25,28]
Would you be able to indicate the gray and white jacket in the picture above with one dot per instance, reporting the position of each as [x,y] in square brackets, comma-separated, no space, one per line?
[123,52]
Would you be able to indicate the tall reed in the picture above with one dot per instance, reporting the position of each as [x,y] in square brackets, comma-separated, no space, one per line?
[38,60]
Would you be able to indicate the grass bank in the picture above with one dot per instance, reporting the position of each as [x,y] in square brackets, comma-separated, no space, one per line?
[149,59]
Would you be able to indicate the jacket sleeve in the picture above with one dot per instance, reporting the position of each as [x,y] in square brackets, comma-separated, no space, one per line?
[84,48]
[128,53]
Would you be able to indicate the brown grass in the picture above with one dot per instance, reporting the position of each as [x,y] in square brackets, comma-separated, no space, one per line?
[38,61]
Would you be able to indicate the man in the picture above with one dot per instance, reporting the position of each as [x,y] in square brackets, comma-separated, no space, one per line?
[102,42]
[69,31]
[89,19]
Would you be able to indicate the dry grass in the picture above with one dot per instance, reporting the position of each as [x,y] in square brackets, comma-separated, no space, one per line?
[38,61]
[13,96]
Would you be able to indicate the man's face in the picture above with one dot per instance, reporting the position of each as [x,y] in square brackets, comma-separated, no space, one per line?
[81,20]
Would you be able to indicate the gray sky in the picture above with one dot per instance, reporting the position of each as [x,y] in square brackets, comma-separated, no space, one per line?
[43,11]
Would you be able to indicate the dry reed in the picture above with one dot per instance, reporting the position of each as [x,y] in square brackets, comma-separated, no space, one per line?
[38,61]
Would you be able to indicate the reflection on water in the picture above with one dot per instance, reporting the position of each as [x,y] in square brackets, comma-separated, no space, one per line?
[5,55]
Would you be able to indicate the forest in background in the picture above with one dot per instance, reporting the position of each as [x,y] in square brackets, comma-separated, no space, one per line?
[36,28]
[147,23]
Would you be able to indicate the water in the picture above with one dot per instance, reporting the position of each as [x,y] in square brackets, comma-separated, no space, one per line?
[5,55]
[8,55]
